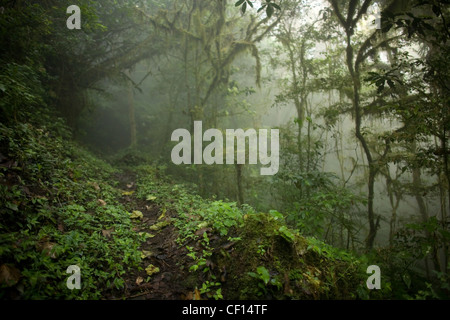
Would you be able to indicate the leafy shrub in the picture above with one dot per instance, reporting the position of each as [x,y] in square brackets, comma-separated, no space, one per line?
[52,218]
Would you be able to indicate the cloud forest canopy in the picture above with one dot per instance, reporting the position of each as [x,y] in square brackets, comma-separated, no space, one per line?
[86,143]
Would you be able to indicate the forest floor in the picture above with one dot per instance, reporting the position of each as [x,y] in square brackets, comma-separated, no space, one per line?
[136,234]
[161,252]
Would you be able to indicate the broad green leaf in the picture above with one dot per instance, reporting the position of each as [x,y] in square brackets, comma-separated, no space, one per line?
[286,233]
[244,7]
[264,273]
[12,206]
[277,215]
[269,10]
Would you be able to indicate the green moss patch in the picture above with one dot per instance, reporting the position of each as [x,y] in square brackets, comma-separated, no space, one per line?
[273,262]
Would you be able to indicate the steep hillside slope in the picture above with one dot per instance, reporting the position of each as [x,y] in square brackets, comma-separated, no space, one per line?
[134,233]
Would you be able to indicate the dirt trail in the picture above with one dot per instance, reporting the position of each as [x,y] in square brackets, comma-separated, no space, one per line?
[165,254]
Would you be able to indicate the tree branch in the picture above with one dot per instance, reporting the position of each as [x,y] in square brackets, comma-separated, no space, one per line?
[338,13]
[363,10]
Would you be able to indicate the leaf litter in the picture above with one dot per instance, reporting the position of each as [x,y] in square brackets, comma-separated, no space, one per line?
[159,276]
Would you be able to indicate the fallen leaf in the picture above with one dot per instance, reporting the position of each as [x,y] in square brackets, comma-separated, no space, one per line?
[9,275]
[127,193]
[188,296]
[163,214]
[26,190]
[202,225]
[197,294]
[130,185]
[47,248]
[146,234]
[95,185]
[159,225]
[136,215]
[146,254]
[151,198]
[107,233]
[201,231]
[151,269]
[228,245]
[139,280]
[101,202]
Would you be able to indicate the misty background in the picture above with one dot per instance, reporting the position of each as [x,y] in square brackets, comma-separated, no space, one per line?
[209,62]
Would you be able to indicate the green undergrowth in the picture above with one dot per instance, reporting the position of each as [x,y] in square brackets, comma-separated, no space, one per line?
[272,261]
[59,207]
[237,253]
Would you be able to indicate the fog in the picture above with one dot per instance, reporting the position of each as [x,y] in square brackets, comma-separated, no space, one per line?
[170,90]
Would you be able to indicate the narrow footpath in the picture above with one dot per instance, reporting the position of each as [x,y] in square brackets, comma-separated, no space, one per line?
[161,256]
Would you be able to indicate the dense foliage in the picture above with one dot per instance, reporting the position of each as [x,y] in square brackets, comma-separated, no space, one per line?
[57,203]
[358,89]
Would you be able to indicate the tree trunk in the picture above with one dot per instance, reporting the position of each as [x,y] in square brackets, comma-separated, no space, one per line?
[239,184]
[355,76]
[131,113]
[373,226]
[444,213]
[299,102]
[395,203]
